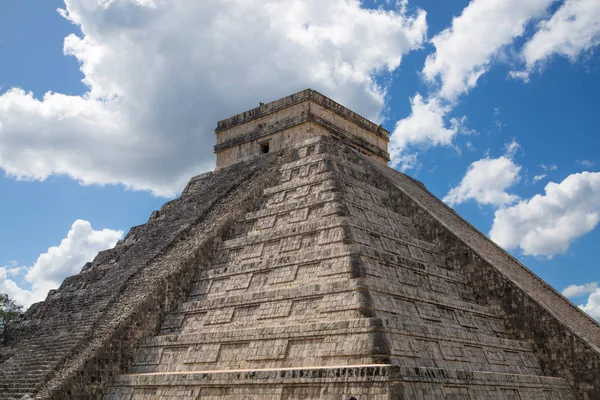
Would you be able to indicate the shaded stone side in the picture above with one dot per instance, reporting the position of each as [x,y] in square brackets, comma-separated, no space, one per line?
[561,351]
[564,338]
[85,330]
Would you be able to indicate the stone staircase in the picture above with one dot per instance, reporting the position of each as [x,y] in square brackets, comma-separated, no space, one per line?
[43,353]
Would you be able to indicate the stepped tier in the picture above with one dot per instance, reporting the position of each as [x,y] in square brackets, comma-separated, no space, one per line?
[372,382]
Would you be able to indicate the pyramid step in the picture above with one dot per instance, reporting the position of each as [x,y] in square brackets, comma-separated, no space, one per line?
[437,292]
[288,233]
[305,268]
[303,162]
[373,382]
[279,259]
[288,237]
[276,346]
[237,296]
[339,299]
[388,291]
[326,202]
[279,330]
[333,288]
[422,262]
[290,185]
[324,343]
[396,237]
[262,226]
[377,263]
[265,333]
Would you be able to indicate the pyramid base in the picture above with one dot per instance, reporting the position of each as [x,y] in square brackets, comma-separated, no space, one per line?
[373,382]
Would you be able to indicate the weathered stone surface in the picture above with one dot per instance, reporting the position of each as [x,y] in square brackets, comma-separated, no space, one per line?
[316,272]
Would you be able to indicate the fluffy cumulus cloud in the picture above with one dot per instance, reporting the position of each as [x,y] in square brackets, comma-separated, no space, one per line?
[486,182]
[580,290]
[547,224]
[572,29]
[161,73]
[81,245]
[465,50]
[425,126]
[592,306]
[14,291]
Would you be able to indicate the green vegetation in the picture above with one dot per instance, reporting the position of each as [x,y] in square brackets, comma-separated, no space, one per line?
[9,310]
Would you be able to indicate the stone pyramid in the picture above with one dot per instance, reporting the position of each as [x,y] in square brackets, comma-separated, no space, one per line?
[303,268]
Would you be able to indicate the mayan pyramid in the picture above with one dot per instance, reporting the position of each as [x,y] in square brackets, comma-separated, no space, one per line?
[303,268]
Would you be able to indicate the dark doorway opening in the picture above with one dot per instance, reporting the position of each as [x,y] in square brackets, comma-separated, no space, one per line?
[264,147]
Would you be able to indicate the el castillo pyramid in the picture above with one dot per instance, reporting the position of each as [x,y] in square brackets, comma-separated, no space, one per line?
[303,268]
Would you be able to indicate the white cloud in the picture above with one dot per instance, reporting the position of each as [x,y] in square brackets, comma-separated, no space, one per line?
[547,224]
[592,307]
[424,126]
[486,182]
[586,163]
[580,290]
[406,161]
[465,51]
[538,178]
[161,73]
[512,148]
[10,287]
[16,271]
[574,28]
[548,167]
[52,267]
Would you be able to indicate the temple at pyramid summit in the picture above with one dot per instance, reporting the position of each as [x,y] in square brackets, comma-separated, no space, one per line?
[303,267]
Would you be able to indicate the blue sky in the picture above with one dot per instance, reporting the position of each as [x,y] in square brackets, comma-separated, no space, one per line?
[108,108]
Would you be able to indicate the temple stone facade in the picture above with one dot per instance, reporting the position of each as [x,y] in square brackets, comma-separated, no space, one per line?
[303,268]
[283,123]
